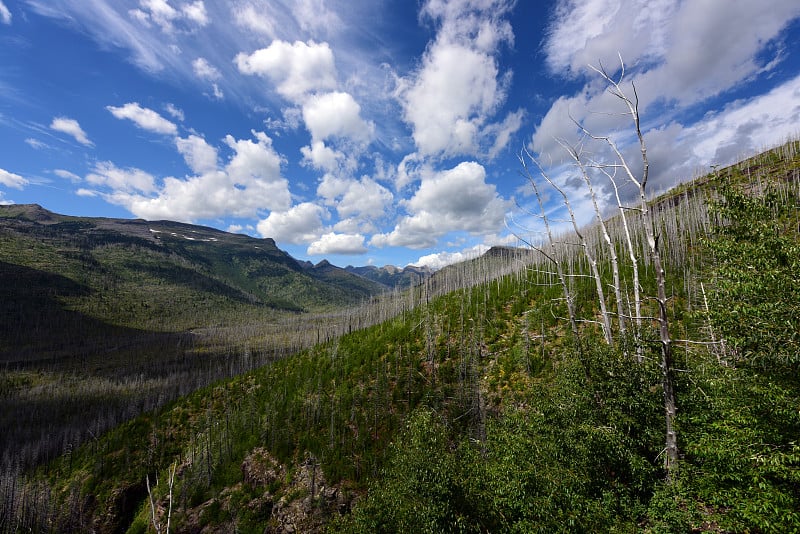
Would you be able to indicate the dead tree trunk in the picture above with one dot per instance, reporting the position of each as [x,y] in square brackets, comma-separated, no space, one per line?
[648,223]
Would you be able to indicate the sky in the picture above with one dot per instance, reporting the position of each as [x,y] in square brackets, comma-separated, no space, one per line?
[376,132]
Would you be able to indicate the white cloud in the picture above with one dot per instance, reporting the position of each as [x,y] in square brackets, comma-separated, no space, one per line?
[127,180]
[165,16]
[364,198]
[256,162]
[36,143]
[458,199]
[176,112]
[240,229]
[296,69]
[322,157]
[67,175]
[71,127]
[9,179]
[144,118]
[336,114]
[300,224]
[747,126]
[443,259]
[204,70]
[196,12]
[333,243]
[5,14]
[313,16]
[450,100]
[198,154]
[113,27]
[679,55]
[249,183]
[255,17]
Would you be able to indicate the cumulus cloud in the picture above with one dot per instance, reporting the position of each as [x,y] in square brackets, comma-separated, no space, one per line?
[71,127]
[9,179]
[124,180]
[336,114]
[196,12]
[678,55]
[321,156]
[450,100]
[249,183]
[300,224]
[747,126]
[333,243]
[443,259]
[204,70]
[198,154]
[683,51]
[165,16]
[144,118]
[457,199]
[363,199]
[256,162]
[296,69]
[5,14]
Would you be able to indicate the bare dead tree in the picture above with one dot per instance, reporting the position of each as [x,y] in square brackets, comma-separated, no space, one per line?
[577,156]
[649,226]
[552,255]
[587,250]
[153,516]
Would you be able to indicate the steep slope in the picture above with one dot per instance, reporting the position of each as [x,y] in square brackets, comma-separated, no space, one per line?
[474,410]
[101,319]
[164,275]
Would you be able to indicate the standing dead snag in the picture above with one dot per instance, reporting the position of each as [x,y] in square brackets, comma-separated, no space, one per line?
[648,224]
[553,257]
[575,154]
[601,297]
[618,168]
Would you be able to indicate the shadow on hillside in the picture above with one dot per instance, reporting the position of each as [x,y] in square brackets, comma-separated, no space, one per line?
[36,331]
[66,377]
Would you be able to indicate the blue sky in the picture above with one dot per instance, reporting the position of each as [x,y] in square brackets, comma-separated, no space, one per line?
[368,131]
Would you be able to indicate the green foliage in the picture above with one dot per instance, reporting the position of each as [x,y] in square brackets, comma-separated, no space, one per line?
[564,464]
[472,412]
[756,285]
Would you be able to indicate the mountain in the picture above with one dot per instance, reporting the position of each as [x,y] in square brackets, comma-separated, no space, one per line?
[202,264]
[391,276]
[136,313]
[489,399]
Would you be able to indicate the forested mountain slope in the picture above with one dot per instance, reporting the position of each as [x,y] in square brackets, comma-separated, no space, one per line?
[162,266]
[479,408]
[103,318]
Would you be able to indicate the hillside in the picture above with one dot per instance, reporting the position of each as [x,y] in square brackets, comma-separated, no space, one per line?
[476,407]
[103,318]
[125,258]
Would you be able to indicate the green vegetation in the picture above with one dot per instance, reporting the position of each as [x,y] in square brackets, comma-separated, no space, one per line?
[471,408]
[116,317]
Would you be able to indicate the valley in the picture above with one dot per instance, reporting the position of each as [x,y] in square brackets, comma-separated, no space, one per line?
[155,375]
